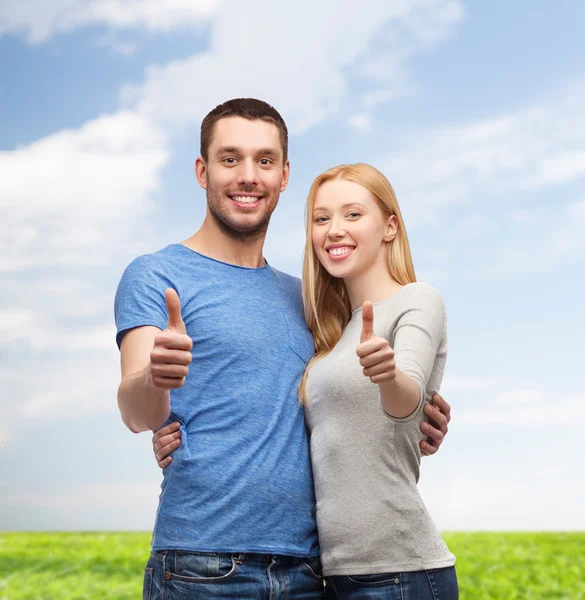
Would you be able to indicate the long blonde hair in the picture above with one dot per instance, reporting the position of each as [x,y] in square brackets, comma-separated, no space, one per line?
[325,298]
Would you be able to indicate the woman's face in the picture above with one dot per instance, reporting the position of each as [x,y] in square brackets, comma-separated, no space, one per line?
[349,229]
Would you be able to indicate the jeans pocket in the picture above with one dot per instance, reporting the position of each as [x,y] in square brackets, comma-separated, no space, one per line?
[147,585]
[313,567]
[375,579]
[201,567]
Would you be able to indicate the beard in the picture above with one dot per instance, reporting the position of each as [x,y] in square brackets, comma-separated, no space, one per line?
[230,225]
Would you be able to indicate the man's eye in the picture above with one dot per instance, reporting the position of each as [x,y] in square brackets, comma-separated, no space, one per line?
[230,160]
[265,161]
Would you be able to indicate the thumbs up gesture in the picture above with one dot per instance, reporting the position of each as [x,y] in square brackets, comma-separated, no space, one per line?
[171,355]
[376,356]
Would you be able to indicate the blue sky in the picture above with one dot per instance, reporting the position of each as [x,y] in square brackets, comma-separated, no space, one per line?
[474,111]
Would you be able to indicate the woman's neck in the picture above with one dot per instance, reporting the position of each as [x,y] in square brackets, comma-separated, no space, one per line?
[375,285]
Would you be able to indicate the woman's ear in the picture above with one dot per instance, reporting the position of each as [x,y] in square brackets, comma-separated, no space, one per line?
[391,228]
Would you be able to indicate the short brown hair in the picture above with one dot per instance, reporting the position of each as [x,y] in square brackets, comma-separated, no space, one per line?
[248,108]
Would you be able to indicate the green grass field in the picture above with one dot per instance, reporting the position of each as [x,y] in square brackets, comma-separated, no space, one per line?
[109,566]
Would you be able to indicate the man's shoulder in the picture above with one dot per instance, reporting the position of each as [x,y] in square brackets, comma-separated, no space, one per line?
[152,261]
[289,281]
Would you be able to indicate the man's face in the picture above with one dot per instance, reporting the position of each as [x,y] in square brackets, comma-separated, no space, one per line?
[243,176]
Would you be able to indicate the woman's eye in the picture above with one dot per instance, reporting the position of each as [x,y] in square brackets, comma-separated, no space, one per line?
[320,219]
[354,214]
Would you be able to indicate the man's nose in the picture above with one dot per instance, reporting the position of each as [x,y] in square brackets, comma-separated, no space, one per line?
[248,173]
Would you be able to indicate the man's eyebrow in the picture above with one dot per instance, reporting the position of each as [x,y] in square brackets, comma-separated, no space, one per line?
[228,150]
[268,152]
[235,150]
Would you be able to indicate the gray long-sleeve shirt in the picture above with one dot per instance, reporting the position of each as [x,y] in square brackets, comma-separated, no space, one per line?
[370,516]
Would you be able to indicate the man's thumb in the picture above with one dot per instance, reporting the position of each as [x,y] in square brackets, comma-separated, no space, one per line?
[175,321]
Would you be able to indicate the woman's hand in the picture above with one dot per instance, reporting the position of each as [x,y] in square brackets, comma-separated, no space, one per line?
[164,441]
[376,356]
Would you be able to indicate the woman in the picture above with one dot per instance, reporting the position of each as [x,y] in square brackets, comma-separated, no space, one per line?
[364,394]
[363,412]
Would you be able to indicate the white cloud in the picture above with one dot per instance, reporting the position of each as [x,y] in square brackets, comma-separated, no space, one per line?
[568,239]
[72,204]
[534,148]
[66,198]
[66,387]
[527,408]
[38,20]
[547,241]
[304,76]
[522,216]
[472,502]
[361,121]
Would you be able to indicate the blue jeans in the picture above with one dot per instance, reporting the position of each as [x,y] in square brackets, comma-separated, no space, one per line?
[177,575]
[434,584]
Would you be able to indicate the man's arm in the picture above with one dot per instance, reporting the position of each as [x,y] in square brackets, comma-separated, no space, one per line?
[168,439]
[153,362]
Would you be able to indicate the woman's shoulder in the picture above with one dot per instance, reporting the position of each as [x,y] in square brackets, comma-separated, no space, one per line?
[422,292]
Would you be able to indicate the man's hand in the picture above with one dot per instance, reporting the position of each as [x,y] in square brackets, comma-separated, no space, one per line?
[376,356]
[164,441]
[171,355]
[439,414]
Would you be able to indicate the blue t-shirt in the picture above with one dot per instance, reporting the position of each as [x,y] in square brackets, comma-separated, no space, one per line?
[241,480]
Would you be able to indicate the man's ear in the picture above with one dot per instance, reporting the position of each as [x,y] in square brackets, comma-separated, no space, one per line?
[391,228]
[285,174]
[201,172]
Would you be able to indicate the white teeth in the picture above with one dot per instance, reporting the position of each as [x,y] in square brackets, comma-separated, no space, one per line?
[246,199]
[340,251]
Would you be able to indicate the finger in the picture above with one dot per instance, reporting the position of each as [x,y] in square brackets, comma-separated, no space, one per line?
[373,345]
[168,383]
[166,370]
[166,430]
[442,405]
[383,355]
[165,463]
[175,322]
[174,341]
[172,356]
[437,418]
[367,322]
[378,369]
[166,450]
[166,440]
[432,432]
[427,449]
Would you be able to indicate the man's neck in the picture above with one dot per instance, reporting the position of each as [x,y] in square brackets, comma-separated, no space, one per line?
[211,241]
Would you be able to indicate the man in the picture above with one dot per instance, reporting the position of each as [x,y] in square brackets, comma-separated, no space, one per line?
[210,320]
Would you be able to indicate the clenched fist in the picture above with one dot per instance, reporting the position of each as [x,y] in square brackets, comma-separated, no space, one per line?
[376,356]
[171,355]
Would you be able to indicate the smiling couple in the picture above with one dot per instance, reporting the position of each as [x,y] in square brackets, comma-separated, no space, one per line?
[290,419]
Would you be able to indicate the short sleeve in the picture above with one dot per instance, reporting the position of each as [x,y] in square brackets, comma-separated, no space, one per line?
[140,297]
